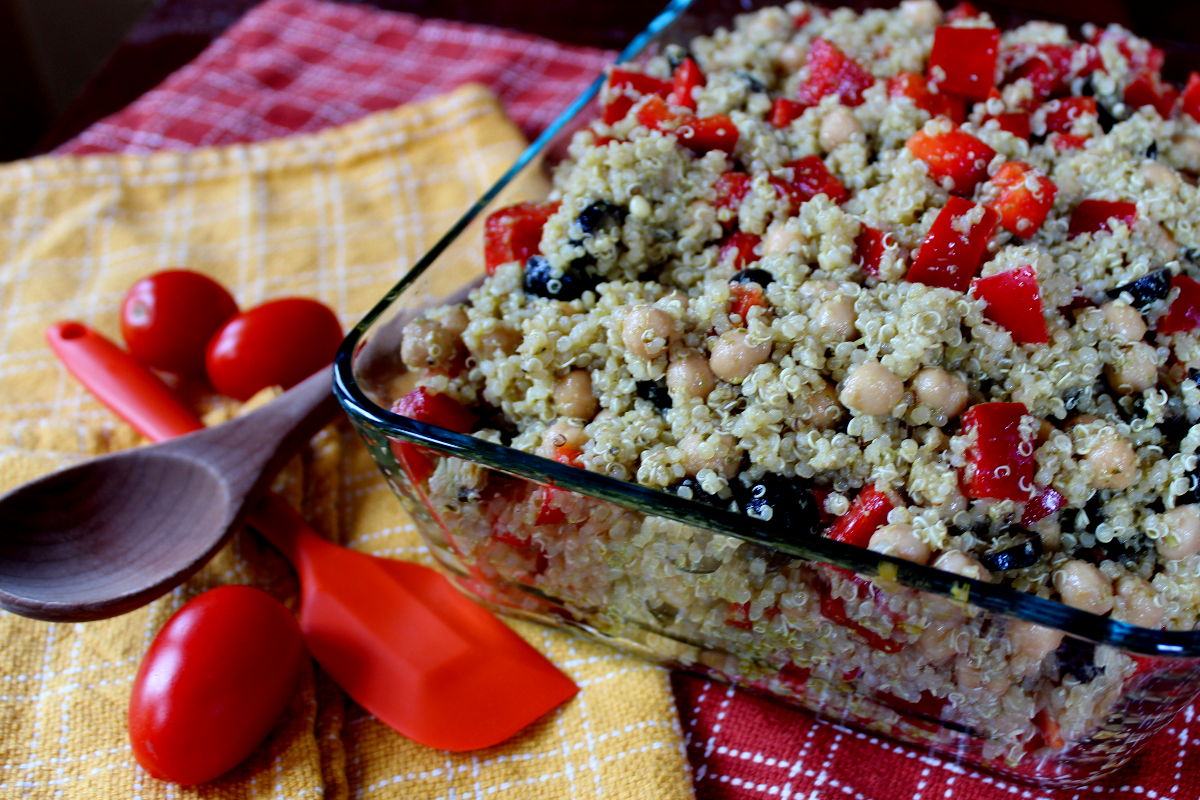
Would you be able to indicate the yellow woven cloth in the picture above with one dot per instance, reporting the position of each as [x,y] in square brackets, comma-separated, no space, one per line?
[338,216]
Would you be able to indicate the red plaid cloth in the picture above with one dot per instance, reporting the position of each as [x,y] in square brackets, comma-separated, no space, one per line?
[298,65]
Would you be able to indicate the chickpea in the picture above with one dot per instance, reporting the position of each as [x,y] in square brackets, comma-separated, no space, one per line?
[872,388]
[733,357]
[1033,641]
[561,434]
[839,126]
[1137,603]
[690,376]
[942,391]
[1080,585]
[718,452]
[959,563]
[1162,240]
[1136,369]
[501,340]
[900,540]
[936,642]
[1113,462]
[836,318]
[427,343]
[970,676]
[781,239]
[792,56]
[1159,174]
[647,331]
[1183,532]
[923,13]
[820,410]
[573,395]
[1123,321]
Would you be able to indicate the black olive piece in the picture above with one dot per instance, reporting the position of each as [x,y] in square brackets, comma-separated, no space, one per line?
[541,281]
[656,392]
[1087,88]
[753,275]
[676,55]
[752,83]
[689,489]
[599,213]
[782,502]
[1192,254]
[1105,117]
[1146,289]
[1077,657]
[1095,516]
[1019,556]
[1152,150]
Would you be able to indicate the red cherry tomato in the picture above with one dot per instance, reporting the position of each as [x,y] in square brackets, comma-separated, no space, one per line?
[167,319]
[278,343]
[213,683]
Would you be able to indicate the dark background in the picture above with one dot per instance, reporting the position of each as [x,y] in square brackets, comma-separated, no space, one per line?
[71,62]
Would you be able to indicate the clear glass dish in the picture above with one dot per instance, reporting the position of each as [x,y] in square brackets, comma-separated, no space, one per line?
[875,642]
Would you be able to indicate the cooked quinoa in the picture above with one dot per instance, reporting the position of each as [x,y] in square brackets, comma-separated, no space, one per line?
[747,342]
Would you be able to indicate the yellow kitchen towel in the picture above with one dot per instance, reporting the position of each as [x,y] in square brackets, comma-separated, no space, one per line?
[339,216]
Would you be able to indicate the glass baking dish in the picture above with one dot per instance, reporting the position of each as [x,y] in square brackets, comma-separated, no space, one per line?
[874,642]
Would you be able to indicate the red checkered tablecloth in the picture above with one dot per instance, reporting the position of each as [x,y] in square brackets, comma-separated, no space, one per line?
[294,66]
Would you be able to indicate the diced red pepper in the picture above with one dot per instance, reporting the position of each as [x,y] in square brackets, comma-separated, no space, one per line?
[514,233]
[432,408]
[1024,197]
[1092,216]
[868,512]
[1015,122]
[834,609]
[809,178]
[743,297]
[784,112]
[687,77]
[937,104]
[1014,302]
[1048,67]
[1000,462]
[698,134]
[1148,89]
[739,615]
[954,155]
[1144,57]
[963,60]
[623,90]
[948,257]
[870,245]
[963,10]
[1061,114]
[1062,142]
[1047,501]
[549,513]
[731,188]
[739,247]
[1184,311]
[1049,730]
[1191,96]
[830,71]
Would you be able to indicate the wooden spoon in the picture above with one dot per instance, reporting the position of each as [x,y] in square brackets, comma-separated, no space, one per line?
[109,535]
[398,637]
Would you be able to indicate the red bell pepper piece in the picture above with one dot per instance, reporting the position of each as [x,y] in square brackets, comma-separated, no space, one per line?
[1000,462]
[514,233]
[739,615]
[687,77]
[1023,199]
[949,257]
[1014,302]
[698,134]
[963,60]
[431,408]
[743,297]
[740,248]
[809,178]
[868,512]
[784,112]
[954,155]
[937,104]
[870,245]
[1142,57]
[1092,216]
[1148,89]
[1184,312]
[623,89]
[1191,96]
[1015,122]
[1063,142]
[1047,501]
[830,71]
[834,609]
[1050,68]
[550,513]
[1060,115]
[731,188]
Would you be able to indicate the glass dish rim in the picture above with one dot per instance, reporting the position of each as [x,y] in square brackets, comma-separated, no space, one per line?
[813,547]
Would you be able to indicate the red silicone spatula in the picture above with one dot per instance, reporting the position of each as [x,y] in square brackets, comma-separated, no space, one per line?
[396,636]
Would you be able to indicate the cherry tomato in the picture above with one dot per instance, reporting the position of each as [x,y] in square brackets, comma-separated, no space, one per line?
[167,319]
[213,683]
[278,343]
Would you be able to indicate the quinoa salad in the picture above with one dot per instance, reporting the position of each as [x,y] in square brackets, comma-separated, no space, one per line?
[899,278]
